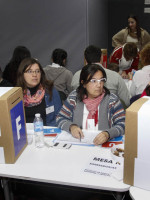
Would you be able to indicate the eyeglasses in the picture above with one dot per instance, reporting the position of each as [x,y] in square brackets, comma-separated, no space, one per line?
[94,81]
[37,71]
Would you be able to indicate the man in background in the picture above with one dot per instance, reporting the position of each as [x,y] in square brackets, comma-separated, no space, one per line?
[114,82]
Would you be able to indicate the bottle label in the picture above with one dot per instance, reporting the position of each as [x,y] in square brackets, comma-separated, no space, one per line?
[38,126]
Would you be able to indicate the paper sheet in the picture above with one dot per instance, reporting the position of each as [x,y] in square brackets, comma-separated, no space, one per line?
[102,166]
[68,138]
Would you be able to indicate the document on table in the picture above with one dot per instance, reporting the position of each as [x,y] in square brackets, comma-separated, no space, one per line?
[104,166]
[68,138]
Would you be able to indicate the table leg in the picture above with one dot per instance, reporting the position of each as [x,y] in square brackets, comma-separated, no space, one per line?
[119,195]
[7,189]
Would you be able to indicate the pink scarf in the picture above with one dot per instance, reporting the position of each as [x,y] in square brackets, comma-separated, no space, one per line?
[92,106]
[35,99]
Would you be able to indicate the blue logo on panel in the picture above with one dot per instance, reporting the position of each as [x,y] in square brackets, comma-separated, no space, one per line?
[18,127]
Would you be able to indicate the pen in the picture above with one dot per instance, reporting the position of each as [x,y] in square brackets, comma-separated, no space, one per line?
[80,133]
[80,137]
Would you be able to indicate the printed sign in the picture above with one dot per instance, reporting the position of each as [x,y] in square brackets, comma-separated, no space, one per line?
[102,166]
[18,127]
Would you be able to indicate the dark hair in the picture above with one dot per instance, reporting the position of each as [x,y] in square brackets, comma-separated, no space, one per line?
[92,54]
[58,56]
[10,72]
[86,75]
[27,63]
[130,50]
[147,90]
[113,67]
[20,52]
[138,29]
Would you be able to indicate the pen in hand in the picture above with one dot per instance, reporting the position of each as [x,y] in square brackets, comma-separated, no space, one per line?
[76,132]
[80,137]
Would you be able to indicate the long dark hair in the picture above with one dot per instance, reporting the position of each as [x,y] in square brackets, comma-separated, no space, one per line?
[28,62]
[86,75]
[138,29]
[10,72]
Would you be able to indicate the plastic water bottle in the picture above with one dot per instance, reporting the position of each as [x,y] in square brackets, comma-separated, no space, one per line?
[38,131]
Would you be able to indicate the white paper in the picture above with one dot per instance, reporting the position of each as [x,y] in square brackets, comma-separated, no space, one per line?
[2,157]
[3,90]
[143,149]
[68,138]
[102,166]
[141,173]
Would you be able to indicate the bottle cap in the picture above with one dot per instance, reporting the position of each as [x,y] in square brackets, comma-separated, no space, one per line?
[37,114]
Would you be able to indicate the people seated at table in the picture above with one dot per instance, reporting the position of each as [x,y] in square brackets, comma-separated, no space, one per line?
[57,72]
[10,71]
[3,82]
[132,33]
[39,95]
[115,83]
[92,107]
[127,57]
[141,77]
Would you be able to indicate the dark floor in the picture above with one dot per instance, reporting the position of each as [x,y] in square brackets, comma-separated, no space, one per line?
[25,191]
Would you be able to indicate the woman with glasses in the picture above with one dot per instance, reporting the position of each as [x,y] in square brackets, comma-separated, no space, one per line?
[39,95]
[132,33]
[92,107]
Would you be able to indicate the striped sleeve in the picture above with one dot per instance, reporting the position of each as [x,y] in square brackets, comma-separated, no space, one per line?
[116,117]
[65,117]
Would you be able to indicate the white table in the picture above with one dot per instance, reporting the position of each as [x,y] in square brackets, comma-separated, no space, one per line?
[63,167]
[138,193]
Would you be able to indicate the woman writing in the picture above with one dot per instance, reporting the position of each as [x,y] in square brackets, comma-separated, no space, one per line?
[132,33]
[39,95]
[92,101]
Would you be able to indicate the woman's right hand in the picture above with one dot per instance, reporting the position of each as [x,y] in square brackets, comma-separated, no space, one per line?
[76,131]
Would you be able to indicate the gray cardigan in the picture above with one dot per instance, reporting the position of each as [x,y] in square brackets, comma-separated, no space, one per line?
[111,114]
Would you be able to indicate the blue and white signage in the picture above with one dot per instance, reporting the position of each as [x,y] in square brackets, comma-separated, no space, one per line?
[18,127]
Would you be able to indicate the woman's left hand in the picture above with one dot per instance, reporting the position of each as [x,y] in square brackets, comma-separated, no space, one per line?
[101,138]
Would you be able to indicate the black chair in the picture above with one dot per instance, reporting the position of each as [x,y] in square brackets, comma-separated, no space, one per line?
[63,96]
[134,98]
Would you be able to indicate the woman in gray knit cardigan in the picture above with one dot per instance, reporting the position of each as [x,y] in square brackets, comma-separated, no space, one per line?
[92,107]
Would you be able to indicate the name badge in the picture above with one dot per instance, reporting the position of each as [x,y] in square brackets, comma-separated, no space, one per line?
[50,109]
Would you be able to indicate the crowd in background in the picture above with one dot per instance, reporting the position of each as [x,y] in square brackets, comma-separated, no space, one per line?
[94,92]
[95,97]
